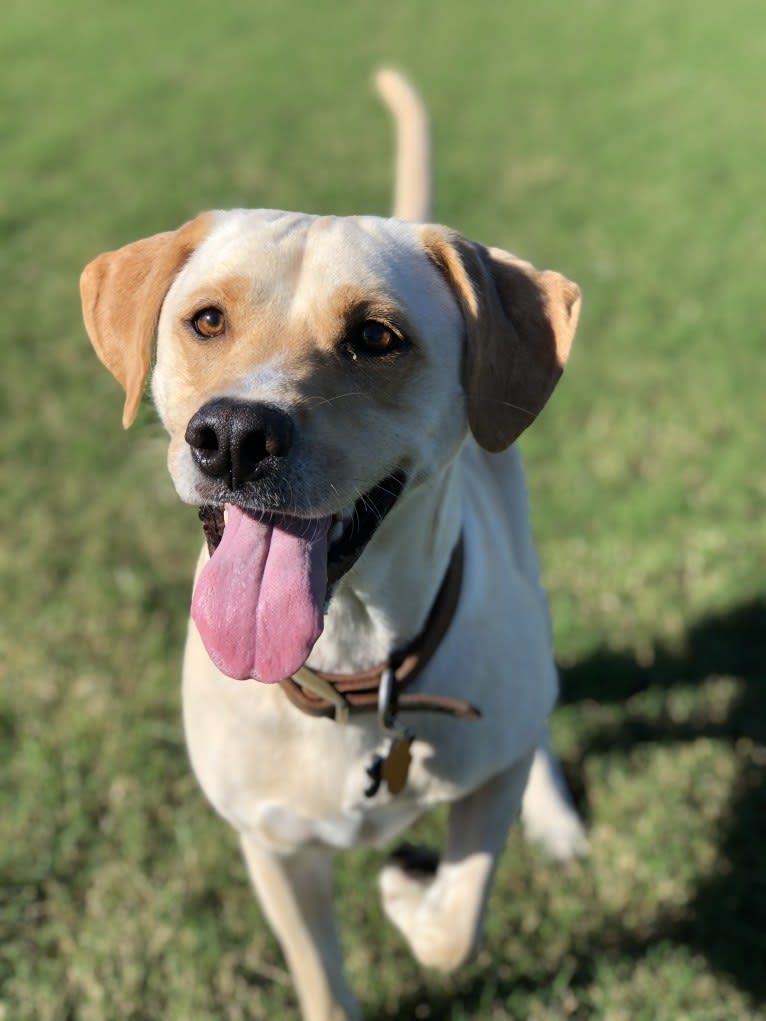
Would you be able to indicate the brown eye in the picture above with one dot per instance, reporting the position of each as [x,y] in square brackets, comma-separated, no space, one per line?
[209,322]
[374,338]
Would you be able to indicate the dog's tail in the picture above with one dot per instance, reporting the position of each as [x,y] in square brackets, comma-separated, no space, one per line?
[412,191]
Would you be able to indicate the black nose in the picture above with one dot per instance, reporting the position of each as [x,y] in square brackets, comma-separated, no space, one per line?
[232,439]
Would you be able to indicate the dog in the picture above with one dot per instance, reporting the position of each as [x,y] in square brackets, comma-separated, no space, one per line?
[369,636]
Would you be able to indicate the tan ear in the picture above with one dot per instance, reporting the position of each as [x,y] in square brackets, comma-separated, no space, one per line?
[122,294]
[520,323]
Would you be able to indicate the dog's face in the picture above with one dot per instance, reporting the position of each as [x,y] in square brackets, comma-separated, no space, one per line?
[310,368]
[344,337]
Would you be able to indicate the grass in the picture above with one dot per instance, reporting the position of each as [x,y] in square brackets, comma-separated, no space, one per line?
[619,143]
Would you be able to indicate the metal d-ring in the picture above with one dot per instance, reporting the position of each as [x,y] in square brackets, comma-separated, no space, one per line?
[395,734]
[386,716]
[389,724]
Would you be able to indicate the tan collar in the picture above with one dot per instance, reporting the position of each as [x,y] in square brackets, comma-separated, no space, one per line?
[320,693]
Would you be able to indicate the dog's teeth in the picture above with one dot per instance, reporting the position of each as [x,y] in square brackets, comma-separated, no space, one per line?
[225,515]
[347,515]
[336,531]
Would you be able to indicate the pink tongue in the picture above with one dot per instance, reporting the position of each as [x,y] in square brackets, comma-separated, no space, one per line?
[258,601]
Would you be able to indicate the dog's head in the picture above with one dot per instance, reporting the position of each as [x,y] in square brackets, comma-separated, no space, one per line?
[307,370]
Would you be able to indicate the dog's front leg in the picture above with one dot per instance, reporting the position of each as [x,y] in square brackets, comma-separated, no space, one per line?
[439,908]
[295,892]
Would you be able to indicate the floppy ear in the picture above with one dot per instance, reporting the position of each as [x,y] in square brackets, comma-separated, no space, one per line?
[520,323]
[122,294]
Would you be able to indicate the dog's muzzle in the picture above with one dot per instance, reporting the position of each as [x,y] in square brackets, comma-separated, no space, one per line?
[235,443]
[259,601]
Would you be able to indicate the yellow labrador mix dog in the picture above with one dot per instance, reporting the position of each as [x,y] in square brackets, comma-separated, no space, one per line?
[369,637]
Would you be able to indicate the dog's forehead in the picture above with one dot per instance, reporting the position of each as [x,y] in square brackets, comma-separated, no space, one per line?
[294,260]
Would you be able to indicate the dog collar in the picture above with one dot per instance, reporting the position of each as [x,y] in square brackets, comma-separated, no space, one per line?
[320,693]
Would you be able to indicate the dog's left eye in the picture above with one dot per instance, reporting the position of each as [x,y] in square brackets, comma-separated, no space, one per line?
[374,338]
[208,322]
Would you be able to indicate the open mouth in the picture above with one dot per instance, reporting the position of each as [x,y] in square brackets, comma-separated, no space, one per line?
[259,601]
[352,530]
[349,533]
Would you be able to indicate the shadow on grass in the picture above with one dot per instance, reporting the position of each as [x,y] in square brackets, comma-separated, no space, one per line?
[726,922]
[726,919]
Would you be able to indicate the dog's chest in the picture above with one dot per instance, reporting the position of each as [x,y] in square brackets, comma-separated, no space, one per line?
[292,779]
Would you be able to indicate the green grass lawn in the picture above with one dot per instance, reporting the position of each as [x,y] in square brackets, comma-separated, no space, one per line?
[620,143]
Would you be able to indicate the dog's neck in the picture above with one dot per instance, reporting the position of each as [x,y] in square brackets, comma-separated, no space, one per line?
[384,600]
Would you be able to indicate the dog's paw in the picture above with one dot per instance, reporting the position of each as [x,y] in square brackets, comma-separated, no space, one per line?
[404,881]
[548,814]
[561,835]
[418,904]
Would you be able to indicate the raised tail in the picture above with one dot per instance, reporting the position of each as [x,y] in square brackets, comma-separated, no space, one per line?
[412,187]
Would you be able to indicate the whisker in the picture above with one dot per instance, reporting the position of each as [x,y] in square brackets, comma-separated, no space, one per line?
[498,403]
[337,397]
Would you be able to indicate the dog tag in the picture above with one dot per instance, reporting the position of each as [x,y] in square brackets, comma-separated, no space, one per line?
[396,767]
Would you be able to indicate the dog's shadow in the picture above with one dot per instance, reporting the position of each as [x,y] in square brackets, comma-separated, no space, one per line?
[726,917]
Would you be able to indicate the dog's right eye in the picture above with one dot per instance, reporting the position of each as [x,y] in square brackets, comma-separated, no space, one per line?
[208,322]
[374,338]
